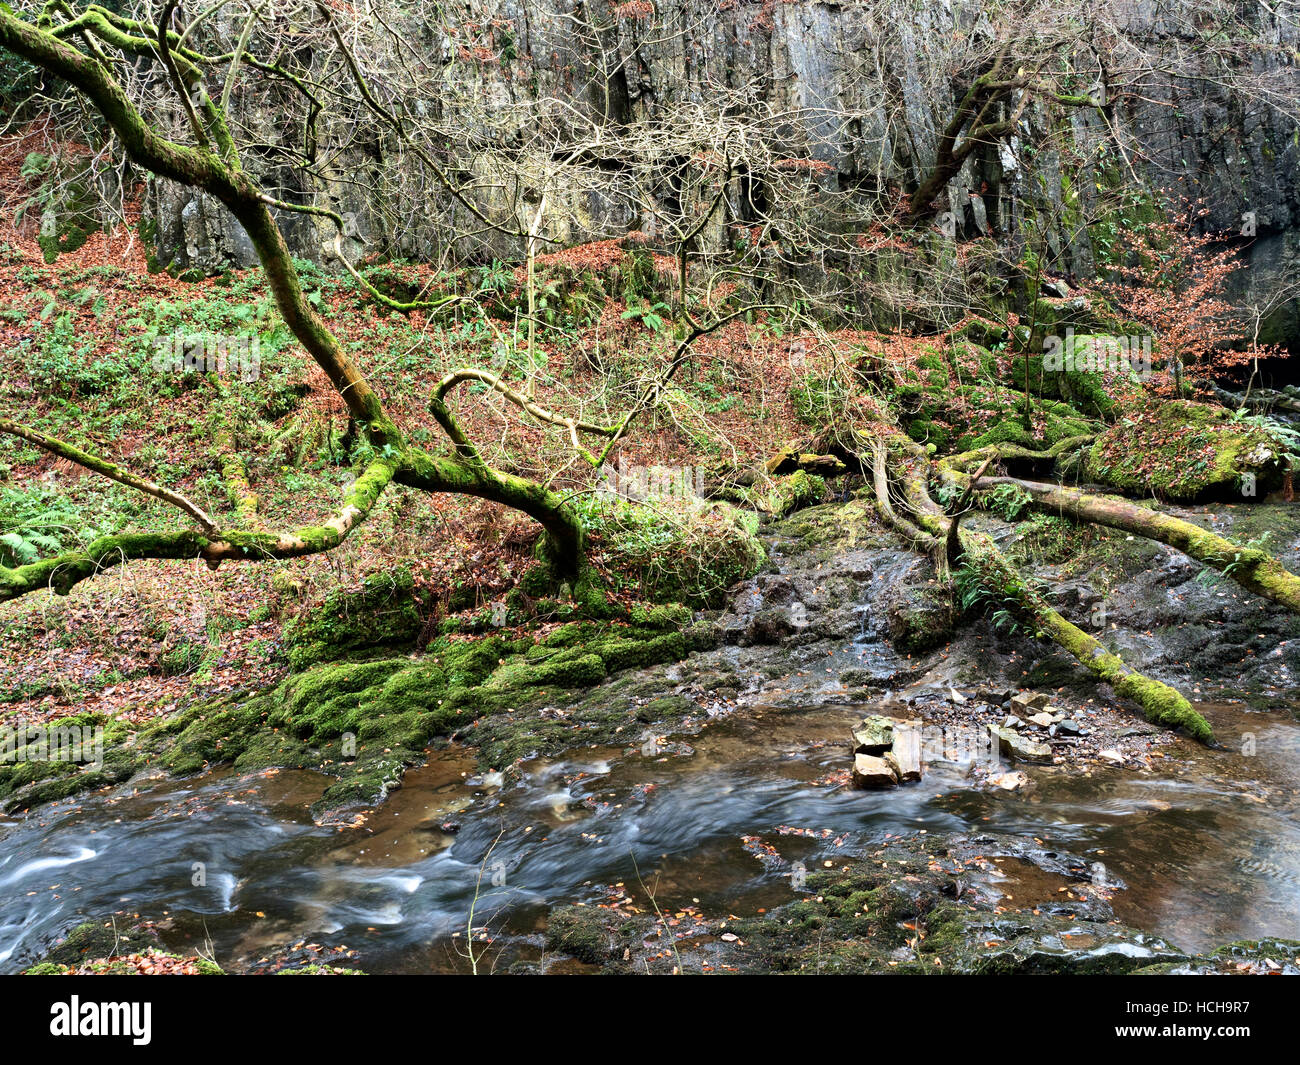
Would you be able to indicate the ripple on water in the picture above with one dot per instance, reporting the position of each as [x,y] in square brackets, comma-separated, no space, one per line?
[1209,849]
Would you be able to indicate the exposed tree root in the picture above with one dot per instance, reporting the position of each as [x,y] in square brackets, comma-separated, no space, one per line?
[923,540]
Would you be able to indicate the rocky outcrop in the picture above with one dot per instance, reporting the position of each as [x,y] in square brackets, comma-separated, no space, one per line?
[868,81]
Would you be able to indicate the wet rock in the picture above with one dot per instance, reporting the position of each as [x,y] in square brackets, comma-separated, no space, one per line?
[1260,957]
[872,771]
[855,917]
[1014,780]
[1043,720]
[858,678]
[920,616]
[905,755]
[1021,748]
[873,735]
[1024,702]
[770,626]
[578,932]
[1044,943]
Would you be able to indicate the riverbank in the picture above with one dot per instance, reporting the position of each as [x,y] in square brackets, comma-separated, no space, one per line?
[692,820]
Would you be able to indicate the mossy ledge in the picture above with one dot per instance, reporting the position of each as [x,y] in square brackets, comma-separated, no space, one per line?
[364,722]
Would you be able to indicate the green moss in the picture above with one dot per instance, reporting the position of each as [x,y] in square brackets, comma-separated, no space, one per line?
[799,489]
[383,613]
[579,932]
[666,616]
[365,721]
[957,417]
[1183,451]
[97,939]
[636,652]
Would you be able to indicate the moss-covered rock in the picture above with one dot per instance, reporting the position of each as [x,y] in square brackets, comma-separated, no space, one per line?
[578,932]
[955,417]
[921,618]
[1185,451]
[29,775]
[97,939]
[366,721]
[382,613]
[799,489]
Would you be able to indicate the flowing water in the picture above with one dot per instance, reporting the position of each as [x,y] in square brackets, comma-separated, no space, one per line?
[1210,852]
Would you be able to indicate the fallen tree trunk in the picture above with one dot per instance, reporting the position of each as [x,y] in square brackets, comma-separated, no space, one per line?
[1160,703]
[1250,567]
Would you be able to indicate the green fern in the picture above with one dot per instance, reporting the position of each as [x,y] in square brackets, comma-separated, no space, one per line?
[31,528]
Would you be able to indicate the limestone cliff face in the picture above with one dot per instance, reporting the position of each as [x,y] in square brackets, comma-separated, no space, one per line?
[869,76]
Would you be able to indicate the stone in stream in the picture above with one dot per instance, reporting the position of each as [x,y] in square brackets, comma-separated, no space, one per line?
[1043,720]
[1027,701]
[873,735]
[1069,727]
[1019,747]
[872,771]
[905,755]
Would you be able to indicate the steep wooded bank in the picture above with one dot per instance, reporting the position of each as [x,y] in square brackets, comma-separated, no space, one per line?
[572,123]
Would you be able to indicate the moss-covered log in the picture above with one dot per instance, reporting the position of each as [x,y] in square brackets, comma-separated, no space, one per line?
[1251,567]
[565,536]
[63,572]
[1160,703]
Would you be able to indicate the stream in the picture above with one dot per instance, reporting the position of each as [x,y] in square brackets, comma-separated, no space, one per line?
[1209,849]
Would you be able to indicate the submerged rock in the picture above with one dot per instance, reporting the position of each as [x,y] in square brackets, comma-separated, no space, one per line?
[931,905]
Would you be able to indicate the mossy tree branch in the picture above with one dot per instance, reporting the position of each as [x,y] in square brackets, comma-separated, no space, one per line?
[1160,703]
[1251,567]
[63,572]
[46,46]
[107,469]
